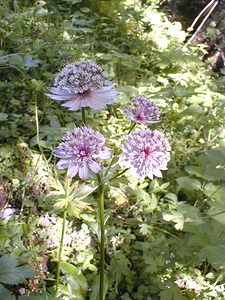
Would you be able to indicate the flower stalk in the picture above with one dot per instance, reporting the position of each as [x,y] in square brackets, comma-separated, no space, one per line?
[83,115]
[102,243]
[62,234]
[131,127]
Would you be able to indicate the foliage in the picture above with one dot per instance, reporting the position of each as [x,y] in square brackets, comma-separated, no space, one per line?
[165,238]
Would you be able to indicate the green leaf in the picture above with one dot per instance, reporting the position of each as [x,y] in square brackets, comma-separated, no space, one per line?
[43,296]
[188,183]
[75,1]
[176,217]
[171,292]
[95,288]
[6,294]
[3,117]
[29,62]
[215,255]
[12,271]
[185,214]
[15,59]
[145,229]
[83,191]
[75,279]
[210,166]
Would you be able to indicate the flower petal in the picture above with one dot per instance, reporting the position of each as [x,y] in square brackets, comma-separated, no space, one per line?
[62,153]
[83,171]
[95,167]
[107,153]
[60,91]
[73,105]
[62,164]
[157,173]
[58,97]
[72,171]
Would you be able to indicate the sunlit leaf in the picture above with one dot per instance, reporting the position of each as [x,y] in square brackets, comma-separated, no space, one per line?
[83,191]
[75,279]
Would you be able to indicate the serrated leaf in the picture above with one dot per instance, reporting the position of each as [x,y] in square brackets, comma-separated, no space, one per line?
[145,229]
[176,217]
[83,191]
[12,272]
[61,202]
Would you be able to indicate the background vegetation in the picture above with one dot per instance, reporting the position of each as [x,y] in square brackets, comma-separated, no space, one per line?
[165,238]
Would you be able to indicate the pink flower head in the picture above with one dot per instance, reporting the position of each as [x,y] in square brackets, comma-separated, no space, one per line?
[82,84]
[143,111]
[146,152]
[82,150]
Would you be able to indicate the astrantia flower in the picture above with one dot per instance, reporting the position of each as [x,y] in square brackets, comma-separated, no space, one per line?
[82,150]
[143,111]
[146,152]
[82,84]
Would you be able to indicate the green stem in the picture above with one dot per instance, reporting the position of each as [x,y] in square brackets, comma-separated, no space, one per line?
[38,133]
[119,174]
[102,245]
[62,236]
[83,115]
[37,122]
[214,215]
[131,127]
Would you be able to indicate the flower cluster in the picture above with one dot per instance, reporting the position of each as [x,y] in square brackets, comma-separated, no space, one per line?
[81,151]
[146,152]
[83,84]
[143,111]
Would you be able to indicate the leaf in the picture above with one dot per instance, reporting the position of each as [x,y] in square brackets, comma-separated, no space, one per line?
[75,1]
[75,279]
[95,288]
[210,166]
[171,196]
[145,229]
[3,117]
[215,255]
[43,296]
[171,292]
[184,214]
[83,191]
[6,294]
[29,62]
[12,272]
[176,217]
[15,59]
[188,183]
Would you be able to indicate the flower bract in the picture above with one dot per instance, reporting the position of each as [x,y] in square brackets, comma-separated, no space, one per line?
[143,111]
[82,150]
[146,153]
[82,84]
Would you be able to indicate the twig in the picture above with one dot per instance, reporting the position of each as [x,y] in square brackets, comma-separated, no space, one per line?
[206,10]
